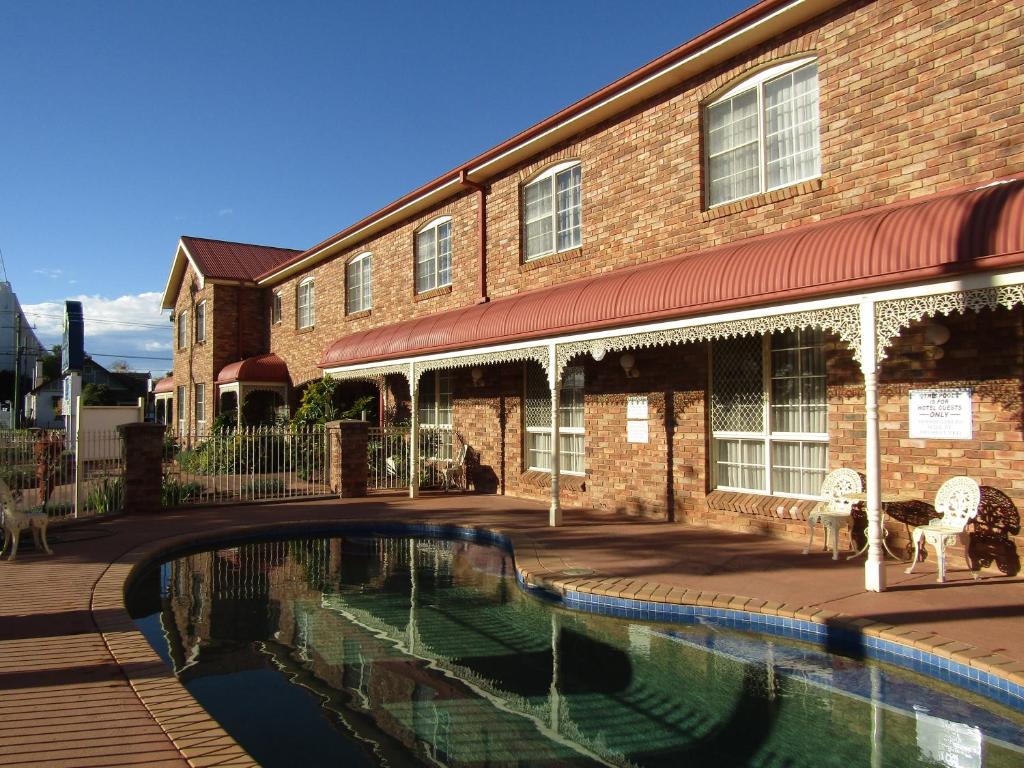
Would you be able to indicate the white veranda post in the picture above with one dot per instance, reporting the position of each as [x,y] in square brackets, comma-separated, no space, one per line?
[555,382]
[874,570]
[414,433]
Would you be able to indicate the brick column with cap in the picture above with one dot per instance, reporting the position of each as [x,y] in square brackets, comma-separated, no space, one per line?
[349,458]
[143,446]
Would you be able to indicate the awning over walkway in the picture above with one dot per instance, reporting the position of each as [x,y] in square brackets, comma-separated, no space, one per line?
[262,368]
[164,386]
[969,230]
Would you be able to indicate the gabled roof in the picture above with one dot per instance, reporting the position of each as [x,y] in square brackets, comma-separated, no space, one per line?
[222,260]
[968,230]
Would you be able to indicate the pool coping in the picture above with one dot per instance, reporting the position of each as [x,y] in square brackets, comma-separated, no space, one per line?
[203,742]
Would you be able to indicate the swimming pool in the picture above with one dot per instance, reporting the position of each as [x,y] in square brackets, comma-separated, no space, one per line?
[395,650]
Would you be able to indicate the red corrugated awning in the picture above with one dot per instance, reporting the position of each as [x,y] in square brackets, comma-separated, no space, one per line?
[980,228]
[164,385]
[262,368]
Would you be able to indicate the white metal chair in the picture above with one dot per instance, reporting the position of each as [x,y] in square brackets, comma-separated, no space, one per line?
[15,521]
[835,508]
[454,473]
[957,504]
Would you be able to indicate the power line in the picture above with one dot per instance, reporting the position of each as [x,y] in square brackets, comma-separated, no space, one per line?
[3,264]
[96,320]
[127,355]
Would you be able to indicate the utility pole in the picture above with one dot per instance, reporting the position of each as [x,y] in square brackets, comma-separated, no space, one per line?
[15,408]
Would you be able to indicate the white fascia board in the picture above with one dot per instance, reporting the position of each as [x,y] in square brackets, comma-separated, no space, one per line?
[181,255]
[931,288]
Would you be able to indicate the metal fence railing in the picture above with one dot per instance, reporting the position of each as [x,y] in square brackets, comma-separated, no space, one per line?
[246,464]
[43,472]
[388,455]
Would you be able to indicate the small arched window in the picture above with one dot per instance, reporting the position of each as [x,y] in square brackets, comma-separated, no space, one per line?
[762,134]
[305,304]
[434,254]
[553,211]
[359,283]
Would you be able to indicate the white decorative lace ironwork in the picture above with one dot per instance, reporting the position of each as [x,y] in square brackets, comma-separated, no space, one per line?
[894,315]
[375,374]
[843,321]
[539,354]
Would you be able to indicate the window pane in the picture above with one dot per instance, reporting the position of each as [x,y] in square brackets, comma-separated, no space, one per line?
[737,398]
[791,127]
[571,456]
[444,254]
[799,396]
[539,238]
[538,450]
[740,464]
[569,232]
[798,467]
[426,264]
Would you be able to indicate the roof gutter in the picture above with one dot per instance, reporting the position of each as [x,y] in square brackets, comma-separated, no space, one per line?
[749,28]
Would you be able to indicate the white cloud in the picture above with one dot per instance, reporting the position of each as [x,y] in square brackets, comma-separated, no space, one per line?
[53,274]
[225,211]
[124,326]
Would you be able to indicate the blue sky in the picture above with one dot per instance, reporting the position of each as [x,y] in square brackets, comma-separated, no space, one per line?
[125,125]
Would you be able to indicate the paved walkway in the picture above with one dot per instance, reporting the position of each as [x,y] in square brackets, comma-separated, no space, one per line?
[79,686]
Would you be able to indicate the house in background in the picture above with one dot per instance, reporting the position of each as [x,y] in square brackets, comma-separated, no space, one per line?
[693,293]
[15,327]
[44,403]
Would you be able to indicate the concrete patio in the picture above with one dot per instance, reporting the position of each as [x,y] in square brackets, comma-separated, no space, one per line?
[79,686]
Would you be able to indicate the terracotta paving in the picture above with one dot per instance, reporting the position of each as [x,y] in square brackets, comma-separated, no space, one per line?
[80,687]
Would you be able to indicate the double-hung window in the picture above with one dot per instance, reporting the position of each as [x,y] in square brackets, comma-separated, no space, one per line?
[552,211]
[183,329]
[200,403]
[435,415]
[434,255]
[305,304]
[200,322]
[570,421]
[275,307]
[358,284]
[181,409]
[769,413]
[763,134]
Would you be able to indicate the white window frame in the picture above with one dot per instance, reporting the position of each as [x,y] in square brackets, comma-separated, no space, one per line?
[201,322]
[551,173]
[307,289]
[435,282]
[199,404]
[276,305]
[758,81]
[562,429]
[360,269]
[181,408]
[767,437]
[182,329]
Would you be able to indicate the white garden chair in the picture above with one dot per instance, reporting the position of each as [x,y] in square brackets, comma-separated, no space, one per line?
[15,521]
[835,508]
[957,504]
[454,473]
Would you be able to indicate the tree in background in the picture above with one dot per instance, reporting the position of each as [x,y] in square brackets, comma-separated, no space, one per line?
[98,394]
[120,366]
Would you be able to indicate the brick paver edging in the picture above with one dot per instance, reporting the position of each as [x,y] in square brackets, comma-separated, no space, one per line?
[203,743]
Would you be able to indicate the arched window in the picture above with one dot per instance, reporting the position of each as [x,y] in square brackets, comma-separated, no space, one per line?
[762,134]
[359,283]
[434,254]
[553,211]
[305,304]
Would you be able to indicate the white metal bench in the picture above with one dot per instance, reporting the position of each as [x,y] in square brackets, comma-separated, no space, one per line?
[957,503]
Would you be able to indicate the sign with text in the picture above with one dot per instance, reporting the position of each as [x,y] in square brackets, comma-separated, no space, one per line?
[941,414]
[636,419]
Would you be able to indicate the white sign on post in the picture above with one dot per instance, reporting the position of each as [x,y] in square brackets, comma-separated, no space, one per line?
[636,419]
[941,414]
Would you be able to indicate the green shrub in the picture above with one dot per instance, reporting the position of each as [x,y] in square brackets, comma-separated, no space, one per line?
[107,496]
[19,477]
[267,486]
[175,493]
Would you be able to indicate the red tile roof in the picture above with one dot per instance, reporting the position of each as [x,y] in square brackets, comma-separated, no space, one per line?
[223,260]
[163,385]
[973,229]
[259,368]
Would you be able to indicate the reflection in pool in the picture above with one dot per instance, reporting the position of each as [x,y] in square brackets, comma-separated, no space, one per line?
[362,650]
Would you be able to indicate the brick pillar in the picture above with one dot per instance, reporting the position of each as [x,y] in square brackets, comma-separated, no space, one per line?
[349,459]
[143,465]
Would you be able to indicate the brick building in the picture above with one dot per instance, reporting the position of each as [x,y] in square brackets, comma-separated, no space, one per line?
[729,272]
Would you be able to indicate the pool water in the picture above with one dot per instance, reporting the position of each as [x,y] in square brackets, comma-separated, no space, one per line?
[365,650]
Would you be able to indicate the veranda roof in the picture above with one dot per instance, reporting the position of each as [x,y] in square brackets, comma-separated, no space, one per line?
[967,230]
[261,368]
[164,385]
